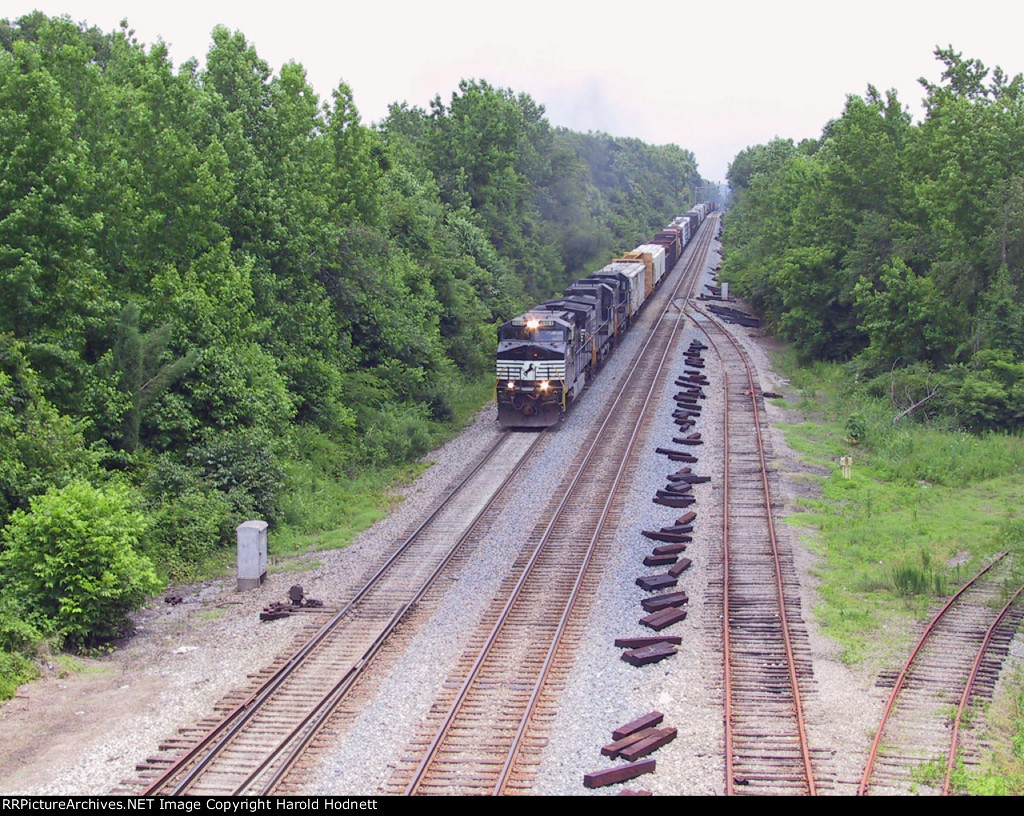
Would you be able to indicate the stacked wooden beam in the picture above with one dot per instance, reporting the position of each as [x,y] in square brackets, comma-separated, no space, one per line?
[630,742]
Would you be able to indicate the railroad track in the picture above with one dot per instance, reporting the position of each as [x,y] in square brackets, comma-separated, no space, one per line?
[263,733]
[767,668]
[486,734]
[955,663]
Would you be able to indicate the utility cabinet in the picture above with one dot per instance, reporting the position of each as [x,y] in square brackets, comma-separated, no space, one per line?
[252,554]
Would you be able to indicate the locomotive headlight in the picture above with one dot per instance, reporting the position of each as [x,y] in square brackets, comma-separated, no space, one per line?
[533,324]
[545,385]
[510,385]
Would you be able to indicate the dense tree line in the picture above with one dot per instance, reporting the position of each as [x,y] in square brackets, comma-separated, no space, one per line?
[201,266]
[898,246]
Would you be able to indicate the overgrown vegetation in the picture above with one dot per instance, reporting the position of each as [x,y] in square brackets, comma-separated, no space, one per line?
[892,255]
[223,298]
[925,508]
[1002,771]
[72,561]
[898,246]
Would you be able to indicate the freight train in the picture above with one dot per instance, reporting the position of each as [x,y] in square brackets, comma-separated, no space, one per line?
[548,354]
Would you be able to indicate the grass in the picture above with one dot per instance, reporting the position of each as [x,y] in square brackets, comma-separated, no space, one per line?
[1002,771]
[324,513]
[925,508]
[15,669]
[326,507]
[211,614]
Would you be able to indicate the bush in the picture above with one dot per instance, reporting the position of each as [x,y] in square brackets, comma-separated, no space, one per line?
[401,434]
[19,642]
[187,529]
[72,561]
[190,519]
[15,669]
[243,465]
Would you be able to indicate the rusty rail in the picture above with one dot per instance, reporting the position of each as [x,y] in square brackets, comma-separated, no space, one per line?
[969,686]
[729,625]
[901,681]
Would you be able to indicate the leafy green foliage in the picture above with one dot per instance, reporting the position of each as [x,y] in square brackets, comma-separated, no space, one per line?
[72,561]
[898,245]
[20,641]
[39,447]
[191,520]
[202,268]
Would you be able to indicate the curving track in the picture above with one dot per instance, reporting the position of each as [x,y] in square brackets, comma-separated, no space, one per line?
[919,729]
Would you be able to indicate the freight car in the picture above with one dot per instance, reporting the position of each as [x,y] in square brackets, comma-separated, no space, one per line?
[547,355]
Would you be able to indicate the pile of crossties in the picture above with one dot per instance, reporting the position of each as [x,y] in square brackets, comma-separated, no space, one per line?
[665,605]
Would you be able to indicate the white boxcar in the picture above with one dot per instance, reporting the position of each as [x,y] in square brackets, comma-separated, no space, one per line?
[656,253]
[634,272]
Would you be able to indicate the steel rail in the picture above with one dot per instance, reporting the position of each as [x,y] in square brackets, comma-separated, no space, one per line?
[779,582]
[326,706]
[241,714]
[898,685]
[420,772]
[969,686]
[513,753]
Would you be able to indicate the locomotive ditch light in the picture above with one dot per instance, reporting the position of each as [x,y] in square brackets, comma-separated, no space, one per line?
[510,385]
[545,385]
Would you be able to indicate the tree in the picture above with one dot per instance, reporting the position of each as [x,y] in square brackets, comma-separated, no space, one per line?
[39,447]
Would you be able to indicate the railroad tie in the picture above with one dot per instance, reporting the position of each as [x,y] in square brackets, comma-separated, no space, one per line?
[663,618]
[621,773]
[612,749]
[662,560]
[679,567]
[640,642]
[684,493]
[680,501]
[678,529]
[659,602]
[668,537]
[651,718]
[648,654]
[689,478]
[655,582]
[648,745]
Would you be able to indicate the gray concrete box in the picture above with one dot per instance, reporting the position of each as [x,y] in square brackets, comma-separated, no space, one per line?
[252,554]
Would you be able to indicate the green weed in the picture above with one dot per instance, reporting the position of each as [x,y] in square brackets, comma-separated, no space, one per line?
[924,509]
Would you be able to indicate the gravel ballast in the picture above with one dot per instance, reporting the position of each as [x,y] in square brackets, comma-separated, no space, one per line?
[84,732]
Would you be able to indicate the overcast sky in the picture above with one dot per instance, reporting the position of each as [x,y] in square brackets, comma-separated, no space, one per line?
[713,78]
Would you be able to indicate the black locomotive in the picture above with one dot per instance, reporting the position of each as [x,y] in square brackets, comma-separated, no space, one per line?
[546,355]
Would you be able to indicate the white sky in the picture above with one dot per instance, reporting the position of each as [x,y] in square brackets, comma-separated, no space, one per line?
[713,78]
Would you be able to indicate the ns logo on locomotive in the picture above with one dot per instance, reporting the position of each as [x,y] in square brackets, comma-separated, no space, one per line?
[546,355]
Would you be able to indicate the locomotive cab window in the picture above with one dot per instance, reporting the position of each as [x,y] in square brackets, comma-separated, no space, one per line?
[534,335]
